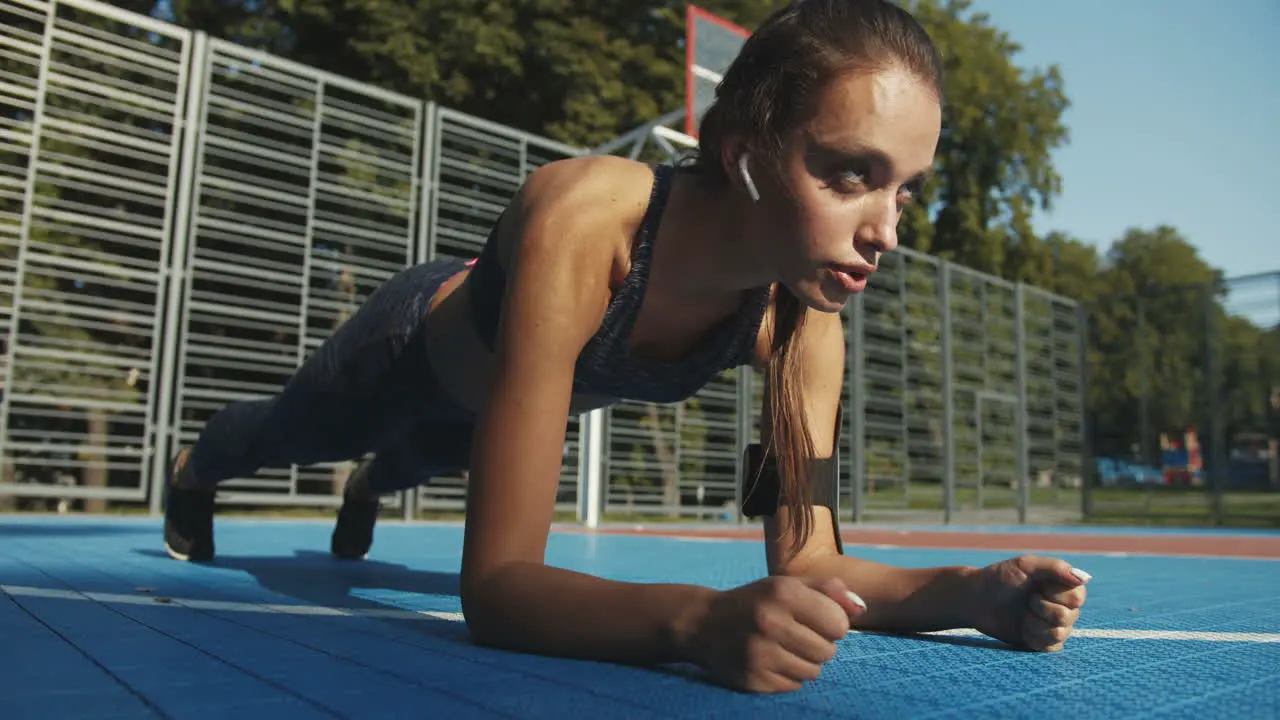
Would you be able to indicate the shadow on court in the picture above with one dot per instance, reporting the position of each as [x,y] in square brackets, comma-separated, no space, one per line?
[316,578]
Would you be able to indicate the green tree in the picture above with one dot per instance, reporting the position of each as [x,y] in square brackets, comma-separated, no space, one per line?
[1250,373]
[576,70]
[994,167]
[1156,298]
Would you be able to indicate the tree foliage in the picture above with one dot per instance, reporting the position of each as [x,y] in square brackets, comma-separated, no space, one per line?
[580,71]
[1165,342]
[994,167]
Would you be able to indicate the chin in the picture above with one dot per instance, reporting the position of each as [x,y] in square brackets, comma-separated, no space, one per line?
[821,296]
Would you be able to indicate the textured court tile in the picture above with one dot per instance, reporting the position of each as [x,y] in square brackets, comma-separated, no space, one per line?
[94,617]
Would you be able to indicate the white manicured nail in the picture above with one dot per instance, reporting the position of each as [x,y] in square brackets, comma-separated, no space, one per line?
[853,598]
[1084,576]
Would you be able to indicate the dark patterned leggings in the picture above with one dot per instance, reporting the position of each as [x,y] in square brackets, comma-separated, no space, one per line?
[368,388]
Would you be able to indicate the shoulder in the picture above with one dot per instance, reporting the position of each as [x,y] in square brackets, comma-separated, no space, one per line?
[591,177]
[586,191]
[583,209]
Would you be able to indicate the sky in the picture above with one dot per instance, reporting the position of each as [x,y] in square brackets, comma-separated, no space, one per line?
[1175,119]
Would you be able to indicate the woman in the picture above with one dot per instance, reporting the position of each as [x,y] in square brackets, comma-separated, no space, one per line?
[606,279]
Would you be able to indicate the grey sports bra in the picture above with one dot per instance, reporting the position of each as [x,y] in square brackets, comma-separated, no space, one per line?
[606,366]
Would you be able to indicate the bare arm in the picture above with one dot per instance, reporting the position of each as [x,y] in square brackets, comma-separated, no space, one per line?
[556,298]
[898,599]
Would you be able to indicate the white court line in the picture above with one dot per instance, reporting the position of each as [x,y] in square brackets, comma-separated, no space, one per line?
[400,614]
[228,606]
[1128,634]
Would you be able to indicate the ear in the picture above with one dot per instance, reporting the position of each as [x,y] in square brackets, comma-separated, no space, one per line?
[735,161]
[744,170]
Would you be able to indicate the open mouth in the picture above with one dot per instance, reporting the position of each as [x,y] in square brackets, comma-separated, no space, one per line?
[853,279]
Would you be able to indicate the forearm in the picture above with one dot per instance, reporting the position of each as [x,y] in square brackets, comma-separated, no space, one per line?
[902,599]
[535,608]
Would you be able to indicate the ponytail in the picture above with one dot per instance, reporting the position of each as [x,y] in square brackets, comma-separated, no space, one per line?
[789,440]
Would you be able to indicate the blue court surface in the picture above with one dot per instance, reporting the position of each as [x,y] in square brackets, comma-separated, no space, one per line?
[97,622]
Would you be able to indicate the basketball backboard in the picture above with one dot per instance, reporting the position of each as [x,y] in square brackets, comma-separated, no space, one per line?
[711,44]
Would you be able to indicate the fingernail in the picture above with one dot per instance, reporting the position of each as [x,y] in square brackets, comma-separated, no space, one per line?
[1084,576]
[853,598]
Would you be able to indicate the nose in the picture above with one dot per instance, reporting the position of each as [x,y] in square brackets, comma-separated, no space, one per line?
[879,224]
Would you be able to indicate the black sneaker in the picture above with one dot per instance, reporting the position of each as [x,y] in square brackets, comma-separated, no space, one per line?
[188,521]
[353,534]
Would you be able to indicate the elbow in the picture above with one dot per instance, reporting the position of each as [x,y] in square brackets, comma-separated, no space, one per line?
[485,608]
[482,630]
[479,611]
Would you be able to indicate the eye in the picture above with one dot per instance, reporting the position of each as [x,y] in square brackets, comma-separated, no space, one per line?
[850,179]
[909,191]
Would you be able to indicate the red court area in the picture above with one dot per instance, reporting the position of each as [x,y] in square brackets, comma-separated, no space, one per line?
[1134,541]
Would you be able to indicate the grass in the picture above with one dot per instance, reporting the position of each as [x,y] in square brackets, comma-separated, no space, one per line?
[1185,507]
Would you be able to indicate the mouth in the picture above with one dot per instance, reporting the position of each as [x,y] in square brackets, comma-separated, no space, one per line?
[852,277]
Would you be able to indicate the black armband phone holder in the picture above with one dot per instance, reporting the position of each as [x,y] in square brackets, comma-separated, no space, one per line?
[762,488]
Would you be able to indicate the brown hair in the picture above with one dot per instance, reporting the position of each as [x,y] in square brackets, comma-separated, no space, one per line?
[773,86]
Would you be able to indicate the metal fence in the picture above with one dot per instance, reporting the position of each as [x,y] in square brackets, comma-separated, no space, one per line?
[91,103]
[300,198]
[1185,428]
[184,220]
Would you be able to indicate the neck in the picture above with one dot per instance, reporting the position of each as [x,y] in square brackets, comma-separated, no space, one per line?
[711,254]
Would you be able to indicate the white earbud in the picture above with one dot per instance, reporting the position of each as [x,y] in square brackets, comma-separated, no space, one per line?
[746,177]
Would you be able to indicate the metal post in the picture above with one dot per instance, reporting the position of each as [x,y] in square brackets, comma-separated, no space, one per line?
[979,427]
[308,241]
[581,514]
[742,438]
[24,226]
[984,357]
[192,140]
[1023,460]
[1214,460]
[904,347]
[431,189]
[948,400]
[592,428]
[1086,427]
[1144,370]
[422,174]
[856,361]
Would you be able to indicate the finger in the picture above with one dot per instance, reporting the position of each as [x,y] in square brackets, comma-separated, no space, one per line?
[826,611]
[1053,613]
[1070,597]
[1041,635]
[834,588]
[792,666]
[1042,570]
[768,681]
[805,643]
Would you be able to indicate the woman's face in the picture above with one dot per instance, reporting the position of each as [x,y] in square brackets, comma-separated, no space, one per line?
[844,179]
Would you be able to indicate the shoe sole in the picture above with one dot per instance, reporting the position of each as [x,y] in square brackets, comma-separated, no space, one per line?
[175,554]
[164,504]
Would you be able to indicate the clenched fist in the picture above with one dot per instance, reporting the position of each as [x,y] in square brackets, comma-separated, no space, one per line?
[1029,602]
[773,634]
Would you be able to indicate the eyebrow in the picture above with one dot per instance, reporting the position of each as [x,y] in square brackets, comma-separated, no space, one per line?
[851,151]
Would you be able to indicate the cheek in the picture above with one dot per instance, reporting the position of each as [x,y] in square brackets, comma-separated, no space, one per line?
[828,221]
